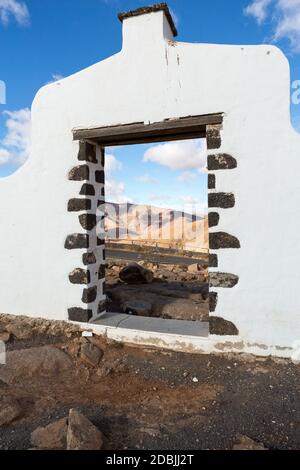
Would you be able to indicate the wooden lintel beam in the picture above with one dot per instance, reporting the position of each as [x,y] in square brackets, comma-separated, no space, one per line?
[173,129]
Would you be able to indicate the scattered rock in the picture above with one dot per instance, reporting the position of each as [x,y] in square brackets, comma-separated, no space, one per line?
[74,349]
[53,436]
[193,268]
[170,267]
[219,326]
[90,354]
[245,443]
[73,433]
[137,307]
[223,280]
[116,268]
[82,434]
[19,330]
[136,274]
[109,367]
[37,326]
[165,302]
[10,410]
[180,309]
[174,293]
[43,361]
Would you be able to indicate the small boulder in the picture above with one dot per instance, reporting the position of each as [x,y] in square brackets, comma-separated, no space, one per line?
[136,274]
[74,348]
[116,268]
[149,266]
[90,354]
[245,443]
[82,434]
[53,436]
[193,268]
[180,309]
[137,307]
[40,361]
[170,267]
[10,410]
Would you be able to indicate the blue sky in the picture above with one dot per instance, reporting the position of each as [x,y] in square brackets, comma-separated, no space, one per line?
[44,39]
[170,175]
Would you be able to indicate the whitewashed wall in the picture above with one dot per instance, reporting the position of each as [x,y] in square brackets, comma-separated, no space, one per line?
[152,79]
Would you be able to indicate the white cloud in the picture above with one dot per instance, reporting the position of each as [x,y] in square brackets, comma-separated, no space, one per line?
[258,9]
[112,164]
[190,200]
[4,156]
[162,198]
[115,191]
[55,78]
[114,188]
[284,16]
[147,179]
[181,155]
[15,147]
[186,177]
[14,9]
[289,24]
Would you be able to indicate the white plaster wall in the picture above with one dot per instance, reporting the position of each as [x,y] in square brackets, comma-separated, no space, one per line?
[152,79]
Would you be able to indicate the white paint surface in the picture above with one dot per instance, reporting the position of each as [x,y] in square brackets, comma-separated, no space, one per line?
[152,79]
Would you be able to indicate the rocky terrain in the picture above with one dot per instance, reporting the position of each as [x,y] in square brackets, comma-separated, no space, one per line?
[177,292]
[60,389]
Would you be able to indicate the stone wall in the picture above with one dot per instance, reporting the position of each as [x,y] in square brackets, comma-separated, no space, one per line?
[89,208]
[219,240]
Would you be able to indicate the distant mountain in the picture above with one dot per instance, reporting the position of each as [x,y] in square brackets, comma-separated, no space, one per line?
[151,223]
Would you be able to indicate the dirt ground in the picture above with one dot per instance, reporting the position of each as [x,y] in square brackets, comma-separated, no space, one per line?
[146,399]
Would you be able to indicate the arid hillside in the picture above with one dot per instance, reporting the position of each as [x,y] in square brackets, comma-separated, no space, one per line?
[152,225]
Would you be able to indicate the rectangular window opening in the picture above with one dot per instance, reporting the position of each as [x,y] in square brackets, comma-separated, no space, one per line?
[156,236]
